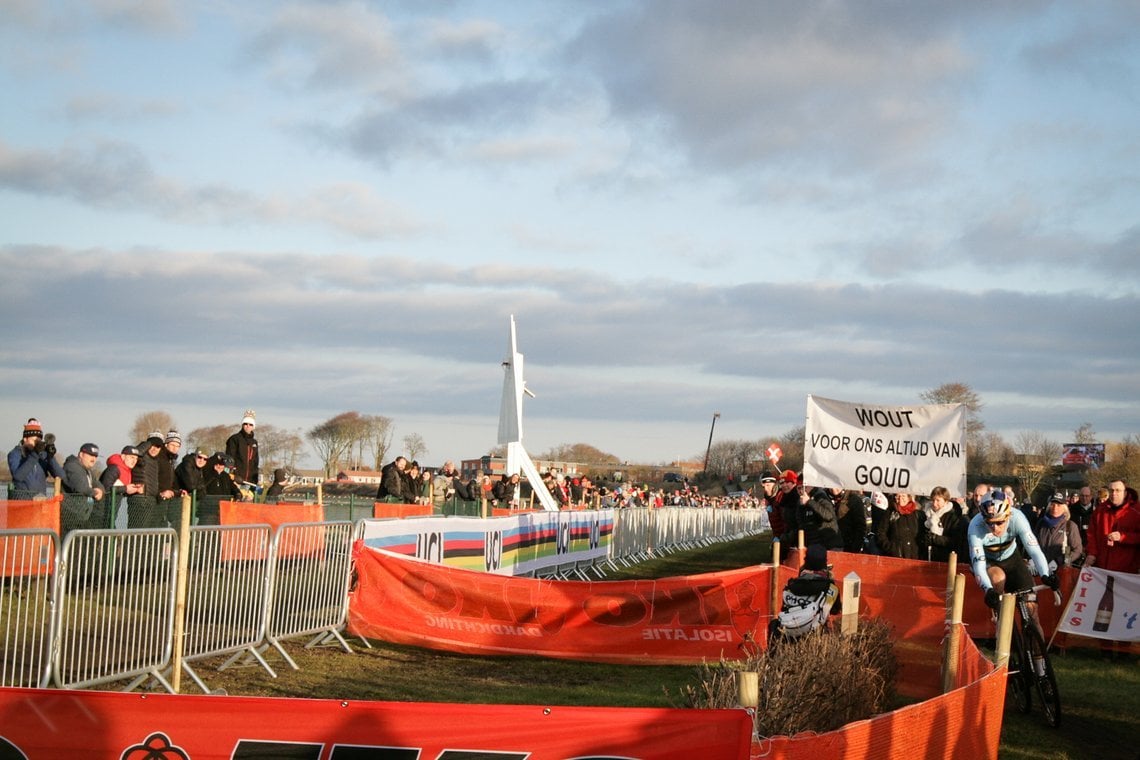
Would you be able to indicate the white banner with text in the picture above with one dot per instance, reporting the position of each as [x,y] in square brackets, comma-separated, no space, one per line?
[1104,605]
[893,449]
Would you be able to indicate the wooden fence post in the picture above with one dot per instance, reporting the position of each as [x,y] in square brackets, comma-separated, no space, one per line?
[954,638]
[852,588]
[1005,629]
[180,594]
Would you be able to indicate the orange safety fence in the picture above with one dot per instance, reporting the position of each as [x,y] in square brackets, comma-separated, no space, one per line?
[965,722]
[383,509]
[236,548]
[42,514]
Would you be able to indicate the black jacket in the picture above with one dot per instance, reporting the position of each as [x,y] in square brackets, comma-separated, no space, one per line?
[898,534]
[189,477]
[243,448]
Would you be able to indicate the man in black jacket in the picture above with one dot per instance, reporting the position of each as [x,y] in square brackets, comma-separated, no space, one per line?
[242,448]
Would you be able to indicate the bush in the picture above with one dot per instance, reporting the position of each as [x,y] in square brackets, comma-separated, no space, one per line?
[816,683]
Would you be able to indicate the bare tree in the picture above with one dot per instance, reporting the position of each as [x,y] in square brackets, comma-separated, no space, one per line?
[334,438]
[209,439]
[1037,454]
[414,445]
[1084,434]
[792,443]
[278,447]
[959,393]
[148,422]
[731,457]
[377,432]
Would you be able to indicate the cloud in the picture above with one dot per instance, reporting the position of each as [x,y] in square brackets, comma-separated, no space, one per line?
[332,45]
[117,176]
[753,85]
[147,15]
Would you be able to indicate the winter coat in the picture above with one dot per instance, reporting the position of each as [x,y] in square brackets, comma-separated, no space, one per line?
[1060,543]
[189,477]
[898,533]
[1123,555]
[77,479]
[818,521]
[851,513]
[30,470]
[242,447]
[116,472]
[941,534]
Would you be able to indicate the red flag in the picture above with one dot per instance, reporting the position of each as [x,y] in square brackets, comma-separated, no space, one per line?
[774,453]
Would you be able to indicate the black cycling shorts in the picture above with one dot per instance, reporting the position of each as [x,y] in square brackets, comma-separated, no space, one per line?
[1017,575]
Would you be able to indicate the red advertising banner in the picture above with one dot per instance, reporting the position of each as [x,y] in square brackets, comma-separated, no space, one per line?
[36,723]
[382,509]
[234,548]
[669,620]
[20,515]
[22,556]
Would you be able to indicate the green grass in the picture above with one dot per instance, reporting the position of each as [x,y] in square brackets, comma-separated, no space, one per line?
[1100,701]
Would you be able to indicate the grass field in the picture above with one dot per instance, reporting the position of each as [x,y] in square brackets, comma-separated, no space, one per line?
[1100,700]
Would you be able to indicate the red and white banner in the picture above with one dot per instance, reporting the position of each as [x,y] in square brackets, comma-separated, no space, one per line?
[893,449]
[669,620]
[1104,605]
[63,723]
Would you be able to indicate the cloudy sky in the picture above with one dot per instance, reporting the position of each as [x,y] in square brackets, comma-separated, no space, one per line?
[313,207]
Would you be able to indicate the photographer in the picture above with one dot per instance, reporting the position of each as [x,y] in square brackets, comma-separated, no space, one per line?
[32,461]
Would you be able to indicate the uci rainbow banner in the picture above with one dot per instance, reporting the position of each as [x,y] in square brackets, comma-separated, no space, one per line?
[893,449]
[517,545]
[668,620]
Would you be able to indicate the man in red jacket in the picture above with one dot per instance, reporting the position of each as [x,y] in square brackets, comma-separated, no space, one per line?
[1114,533]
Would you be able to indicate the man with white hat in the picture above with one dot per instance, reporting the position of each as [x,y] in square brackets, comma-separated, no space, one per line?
[242,446]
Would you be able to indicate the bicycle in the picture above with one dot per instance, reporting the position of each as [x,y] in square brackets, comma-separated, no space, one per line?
[1029,666]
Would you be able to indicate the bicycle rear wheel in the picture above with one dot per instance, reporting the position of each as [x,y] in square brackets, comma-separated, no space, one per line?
[1020,683]
[1044,678]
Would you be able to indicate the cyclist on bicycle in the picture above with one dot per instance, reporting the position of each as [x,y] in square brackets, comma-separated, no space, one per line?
[993,538]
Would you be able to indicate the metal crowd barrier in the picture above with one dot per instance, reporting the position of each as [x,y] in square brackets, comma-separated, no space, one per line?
[227,588]
[309,581]
[115,607]
[28,562]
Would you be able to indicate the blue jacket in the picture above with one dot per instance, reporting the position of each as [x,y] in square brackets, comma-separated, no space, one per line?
[30,471]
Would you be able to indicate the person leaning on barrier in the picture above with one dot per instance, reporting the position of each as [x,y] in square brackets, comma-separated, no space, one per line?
[142,509]
[118,472]
[220,486]
[79,481]
[277,487]
[190,474]
[391,488]
[32,461]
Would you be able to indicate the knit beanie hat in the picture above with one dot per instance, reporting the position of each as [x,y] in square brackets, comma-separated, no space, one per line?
[173,437]
[33,427]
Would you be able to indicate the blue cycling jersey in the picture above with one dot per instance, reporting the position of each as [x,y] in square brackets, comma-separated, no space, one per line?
[987,549]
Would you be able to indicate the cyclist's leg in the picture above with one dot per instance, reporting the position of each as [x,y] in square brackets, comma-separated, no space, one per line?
[997,577]
[1018,578]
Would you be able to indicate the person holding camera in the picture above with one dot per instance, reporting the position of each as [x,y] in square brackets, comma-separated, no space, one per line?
[32,461]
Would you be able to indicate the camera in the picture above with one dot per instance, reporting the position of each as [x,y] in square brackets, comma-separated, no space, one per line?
[46,444]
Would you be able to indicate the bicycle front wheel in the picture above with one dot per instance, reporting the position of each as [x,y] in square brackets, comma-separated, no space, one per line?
[1044,678]
[1020,682]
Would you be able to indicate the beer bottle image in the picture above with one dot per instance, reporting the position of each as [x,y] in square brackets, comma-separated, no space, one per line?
[1104,609]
